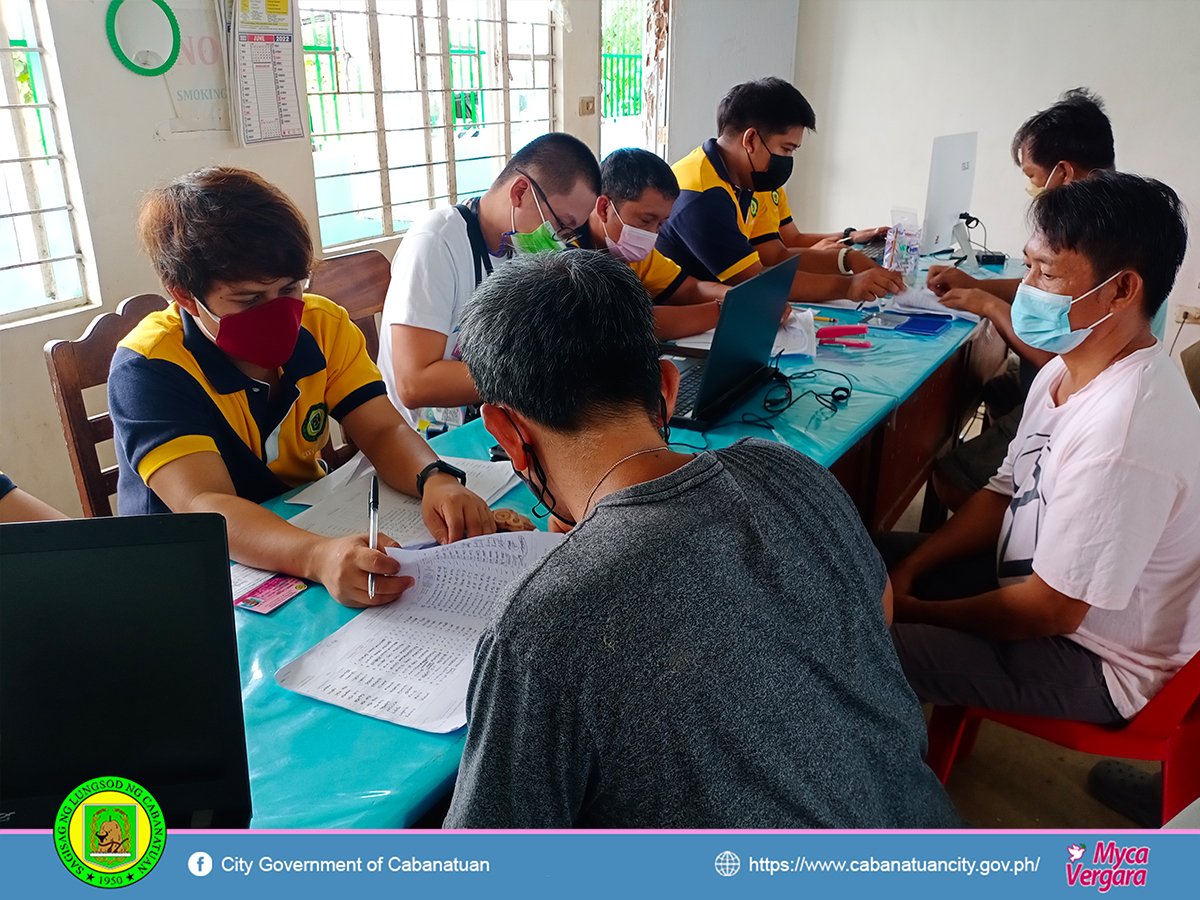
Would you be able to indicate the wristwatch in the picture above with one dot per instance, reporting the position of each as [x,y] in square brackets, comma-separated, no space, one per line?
[439,465]
[848,232]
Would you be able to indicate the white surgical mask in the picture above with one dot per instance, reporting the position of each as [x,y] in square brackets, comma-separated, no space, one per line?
[1036,191]
[634,244]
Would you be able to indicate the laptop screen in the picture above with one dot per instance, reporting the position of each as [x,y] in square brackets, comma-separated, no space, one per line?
[118,657]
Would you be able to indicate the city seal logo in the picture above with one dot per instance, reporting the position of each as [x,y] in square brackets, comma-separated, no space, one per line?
[753,207]
[110,832]
[775,197]
[315,421]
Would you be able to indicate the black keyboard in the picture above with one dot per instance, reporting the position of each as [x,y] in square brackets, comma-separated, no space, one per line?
[689,387]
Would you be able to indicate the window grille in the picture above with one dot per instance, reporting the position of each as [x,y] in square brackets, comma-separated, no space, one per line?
[418,103]
[41,264]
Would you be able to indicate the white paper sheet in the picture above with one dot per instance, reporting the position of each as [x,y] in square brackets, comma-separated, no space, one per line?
[795,335]
[410,662]
[923,300]
[490,480]
[343,511]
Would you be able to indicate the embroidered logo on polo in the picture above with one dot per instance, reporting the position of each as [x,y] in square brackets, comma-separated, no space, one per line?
[775,197]
[315,421]
[753,207]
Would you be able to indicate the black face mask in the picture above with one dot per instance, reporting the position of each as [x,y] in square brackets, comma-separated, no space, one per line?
[779,170]
[543,492]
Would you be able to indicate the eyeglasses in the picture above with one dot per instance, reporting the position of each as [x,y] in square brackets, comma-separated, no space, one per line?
[563,233]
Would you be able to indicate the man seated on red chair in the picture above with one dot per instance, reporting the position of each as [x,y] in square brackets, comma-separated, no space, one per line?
[1069,587]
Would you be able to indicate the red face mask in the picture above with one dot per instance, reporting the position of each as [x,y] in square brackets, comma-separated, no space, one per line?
[263,335]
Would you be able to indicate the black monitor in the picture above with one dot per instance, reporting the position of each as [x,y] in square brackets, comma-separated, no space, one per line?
[118,657]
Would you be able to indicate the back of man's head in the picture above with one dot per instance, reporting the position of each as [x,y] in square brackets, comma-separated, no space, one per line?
[625,175]
[770,106]
[1074,130]
[1118,221]
[557,162]
[565,339]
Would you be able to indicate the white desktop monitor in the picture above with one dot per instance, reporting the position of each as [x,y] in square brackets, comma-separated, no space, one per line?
[951,178]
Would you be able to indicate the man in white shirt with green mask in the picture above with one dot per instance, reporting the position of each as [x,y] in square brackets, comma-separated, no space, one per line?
[539,200]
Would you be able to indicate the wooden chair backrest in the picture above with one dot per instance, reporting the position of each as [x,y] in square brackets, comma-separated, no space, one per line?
[83,363]
[358,282]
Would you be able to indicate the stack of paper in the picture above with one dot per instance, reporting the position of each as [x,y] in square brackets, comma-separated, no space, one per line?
[923,300]
[339,507]
[343,511]
[410,662]
[796,335]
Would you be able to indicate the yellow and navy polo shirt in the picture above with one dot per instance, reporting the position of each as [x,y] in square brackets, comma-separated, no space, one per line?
[172,392]
[715,225]
[659,276]
[783,212]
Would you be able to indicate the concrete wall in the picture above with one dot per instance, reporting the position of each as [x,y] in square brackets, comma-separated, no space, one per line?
[114,117]
[887,76]
[713,45]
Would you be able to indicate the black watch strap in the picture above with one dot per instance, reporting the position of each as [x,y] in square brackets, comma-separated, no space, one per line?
[848,232]
[442,466]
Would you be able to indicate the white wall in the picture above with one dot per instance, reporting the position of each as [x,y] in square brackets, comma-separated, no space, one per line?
[713,45]
[113,116]
[887,76]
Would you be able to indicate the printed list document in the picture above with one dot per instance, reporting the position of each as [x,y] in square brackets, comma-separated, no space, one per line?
[410,662]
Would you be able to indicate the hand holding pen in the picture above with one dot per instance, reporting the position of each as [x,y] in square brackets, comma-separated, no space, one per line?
[373,512]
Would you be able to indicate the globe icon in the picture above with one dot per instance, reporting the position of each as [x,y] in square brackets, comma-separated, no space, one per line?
[728,863]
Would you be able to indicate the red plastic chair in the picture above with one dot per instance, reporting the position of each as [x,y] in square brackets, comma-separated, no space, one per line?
[1167,729]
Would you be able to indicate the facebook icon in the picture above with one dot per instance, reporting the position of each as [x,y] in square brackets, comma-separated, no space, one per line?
[200,864]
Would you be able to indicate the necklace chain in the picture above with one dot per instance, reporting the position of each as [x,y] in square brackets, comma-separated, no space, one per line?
[612,468]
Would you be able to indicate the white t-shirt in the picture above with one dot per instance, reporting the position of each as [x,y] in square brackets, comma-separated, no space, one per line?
[433,277]
[1106,509]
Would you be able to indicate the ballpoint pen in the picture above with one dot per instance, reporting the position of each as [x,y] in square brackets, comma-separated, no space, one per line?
[373,509]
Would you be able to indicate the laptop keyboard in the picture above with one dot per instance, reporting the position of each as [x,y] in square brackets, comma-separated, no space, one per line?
[873,250]
[689,387]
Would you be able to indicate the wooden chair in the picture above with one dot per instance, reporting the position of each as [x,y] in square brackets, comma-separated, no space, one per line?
[357,282]
[83,363]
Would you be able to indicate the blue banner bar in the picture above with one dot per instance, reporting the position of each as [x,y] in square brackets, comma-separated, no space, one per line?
[843,865]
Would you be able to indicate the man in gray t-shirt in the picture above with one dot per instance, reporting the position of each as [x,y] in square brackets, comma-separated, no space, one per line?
[709,646]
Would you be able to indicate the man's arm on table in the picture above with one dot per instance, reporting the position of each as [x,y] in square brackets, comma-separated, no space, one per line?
[423,376]
[674,322]
[1029,609]
[816,287]
[693,290]
[398,453]
[199,482]
[794,237]
[19,506]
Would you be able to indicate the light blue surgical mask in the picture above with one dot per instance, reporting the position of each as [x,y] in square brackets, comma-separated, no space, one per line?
[1041,319]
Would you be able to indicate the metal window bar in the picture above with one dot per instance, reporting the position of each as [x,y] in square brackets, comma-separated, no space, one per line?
[460,54]
[34,51]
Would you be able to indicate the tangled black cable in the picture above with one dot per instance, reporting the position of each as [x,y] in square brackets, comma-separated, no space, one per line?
[779,398]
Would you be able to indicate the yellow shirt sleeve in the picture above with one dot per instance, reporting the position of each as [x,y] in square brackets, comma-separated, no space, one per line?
[659,276]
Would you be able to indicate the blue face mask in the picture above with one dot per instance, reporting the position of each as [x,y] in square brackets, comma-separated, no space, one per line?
[1041,319]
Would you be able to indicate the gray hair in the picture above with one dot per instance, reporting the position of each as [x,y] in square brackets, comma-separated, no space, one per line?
[565,339]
